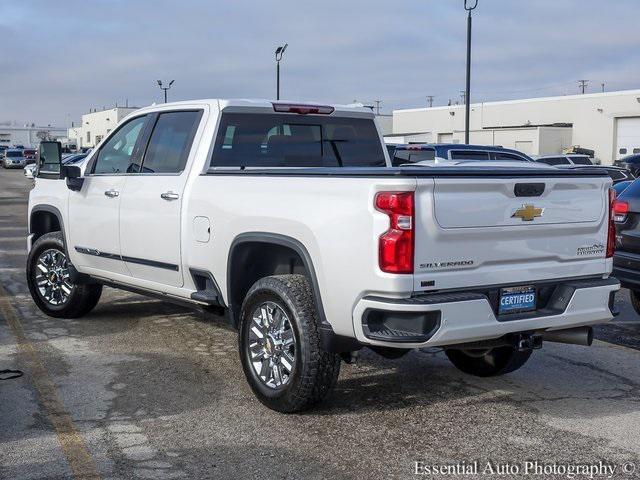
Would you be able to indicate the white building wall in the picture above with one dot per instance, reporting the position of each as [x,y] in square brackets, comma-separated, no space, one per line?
[593,117]
[27,136]
[96,125]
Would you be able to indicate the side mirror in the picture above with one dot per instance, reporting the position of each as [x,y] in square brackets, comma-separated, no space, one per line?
[29,171]
[49,159]
[73,175]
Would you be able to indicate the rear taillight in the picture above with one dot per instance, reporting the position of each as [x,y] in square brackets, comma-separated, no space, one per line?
[611,236]
[620,210]
[396,245]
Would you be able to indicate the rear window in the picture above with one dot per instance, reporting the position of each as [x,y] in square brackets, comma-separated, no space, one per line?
[469,155]
[554,161]
[289,140]
[413,156]
[581,160]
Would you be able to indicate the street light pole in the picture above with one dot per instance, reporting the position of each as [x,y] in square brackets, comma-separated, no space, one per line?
[165,88]
[467,97]
[279,53]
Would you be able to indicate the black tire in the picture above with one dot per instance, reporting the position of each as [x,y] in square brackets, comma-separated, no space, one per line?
[635,300]
[83,297]
[315,371]
[494,362]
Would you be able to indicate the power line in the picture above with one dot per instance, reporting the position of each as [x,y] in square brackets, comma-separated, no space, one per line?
[583,84]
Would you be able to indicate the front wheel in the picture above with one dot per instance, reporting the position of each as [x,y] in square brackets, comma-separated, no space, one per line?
[280,347]
[49,281]
[488,362]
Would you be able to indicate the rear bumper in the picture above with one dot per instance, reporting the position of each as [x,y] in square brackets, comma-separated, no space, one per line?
[453,318]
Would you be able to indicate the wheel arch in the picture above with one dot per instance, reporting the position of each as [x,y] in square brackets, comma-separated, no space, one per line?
[45,219]
[275,254]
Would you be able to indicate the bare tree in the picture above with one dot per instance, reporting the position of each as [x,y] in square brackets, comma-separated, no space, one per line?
[43,135]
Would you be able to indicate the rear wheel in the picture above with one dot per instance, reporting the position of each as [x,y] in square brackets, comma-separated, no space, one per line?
[488,362]
[50,284]
[280,347]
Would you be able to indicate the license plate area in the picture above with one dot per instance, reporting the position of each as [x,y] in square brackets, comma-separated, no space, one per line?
[517,299]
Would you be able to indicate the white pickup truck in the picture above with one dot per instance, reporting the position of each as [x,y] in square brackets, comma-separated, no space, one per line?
[289,219]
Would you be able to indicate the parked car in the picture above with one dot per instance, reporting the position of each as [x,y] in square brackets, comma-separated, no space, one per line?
[69,159]
[568,159]
[29,155]
[13,158]
[621,186]
[626,261]
[631,163]
[617,174]
[280,216]
[414,153]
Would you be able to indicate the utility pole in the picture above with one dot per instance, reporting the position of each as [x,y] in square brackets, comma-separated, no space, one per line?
[378,102]
[165,88]
[463,96]
[583,85]
[468,6]
[602,85]
[430,100]
[279,53]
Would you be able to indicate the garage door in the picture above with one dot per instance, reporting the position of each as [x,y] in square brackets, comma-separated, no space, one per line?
[445,138]
[628,136]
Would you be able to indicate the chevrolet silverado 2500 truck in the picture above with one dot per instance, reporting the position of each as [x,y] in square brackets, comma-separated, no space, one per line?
[290,219]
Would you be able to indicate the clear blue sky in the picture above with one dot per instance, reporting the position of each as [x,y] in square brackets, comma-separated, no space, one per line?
[60,58]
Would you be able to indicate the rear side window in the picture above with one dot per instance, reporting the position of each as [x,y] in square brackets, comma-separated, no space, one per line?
[507,156]
[469,155]
[290,140]
[170,142]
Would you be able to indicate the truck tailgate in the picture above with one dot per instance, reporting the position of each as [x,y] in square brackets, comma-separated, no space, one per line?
[474,231]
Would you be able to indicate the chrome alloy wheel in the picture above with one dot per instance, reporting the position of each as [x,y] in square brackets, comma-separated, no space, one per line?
[272,345]
[52,277]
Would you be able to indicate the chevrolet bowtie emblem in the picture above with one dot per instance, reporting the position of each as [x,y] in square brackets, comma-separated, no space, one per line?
[527,213]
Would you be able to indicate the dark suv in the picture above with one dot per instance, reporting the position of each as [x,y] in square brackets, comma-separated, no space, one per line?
[413,153]
[626,260]
[631,163]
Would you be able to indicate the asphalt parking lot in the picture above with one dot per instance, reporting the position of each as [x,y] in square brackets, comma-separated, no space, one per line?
[144,389]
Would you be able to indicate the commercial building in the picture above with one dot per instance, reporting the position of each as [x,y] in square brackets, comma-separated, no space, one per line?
[29,136]
[607,123]
[96,125]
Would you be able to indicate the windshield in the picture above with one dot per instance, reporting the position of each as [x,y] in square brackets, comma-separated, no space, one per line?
[286,140]
[14,153]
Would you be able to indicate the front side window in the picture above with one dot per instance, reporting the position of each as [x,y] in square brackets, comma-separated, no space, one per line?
[116,155]
[170,142]
[291,140]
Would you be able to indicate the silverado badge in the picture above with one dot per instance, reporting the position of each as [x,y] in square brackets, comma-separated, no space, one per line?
[528,212]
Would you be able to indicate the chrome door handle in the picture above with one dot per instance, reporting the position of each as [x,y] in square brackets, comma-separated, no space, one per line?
[112,193]
[169,196]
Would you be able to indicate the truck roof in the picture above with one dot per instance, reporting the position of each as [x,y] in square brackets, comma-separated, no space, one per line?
[356,109]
